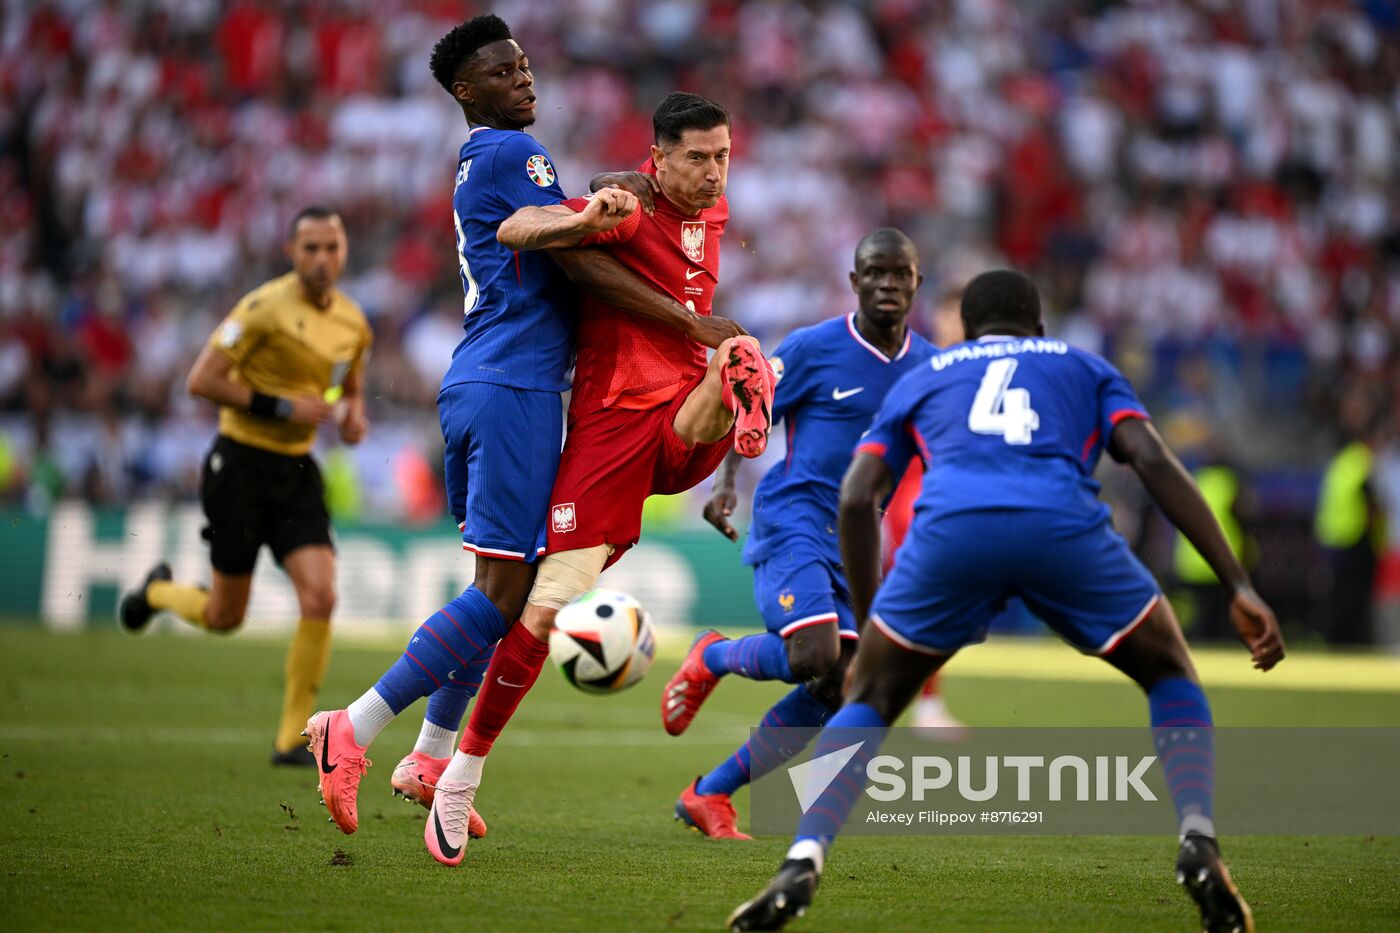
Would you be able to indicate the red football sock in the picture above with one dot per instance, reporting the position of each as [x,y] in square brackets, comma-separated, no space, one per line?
[514,668]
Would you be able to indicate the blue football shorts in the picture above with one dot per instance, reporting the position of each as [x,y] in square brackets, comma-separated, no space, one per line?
[502,454]
[955,573]
[796,587]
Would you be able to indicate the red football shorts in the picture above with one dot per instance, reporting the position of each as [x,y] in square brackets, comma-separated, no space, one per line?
[613,459]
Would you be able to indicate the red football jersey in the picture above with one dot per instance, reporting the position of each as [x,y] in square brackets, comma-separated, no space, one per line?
[627,361]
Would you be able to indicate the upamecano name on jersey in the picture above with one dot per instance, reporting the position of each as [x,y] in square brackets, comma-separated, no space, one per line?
[993,348]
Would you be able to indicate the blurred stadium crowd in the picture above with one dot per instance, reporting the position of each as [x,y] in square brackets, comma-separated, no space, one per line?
[1208,192]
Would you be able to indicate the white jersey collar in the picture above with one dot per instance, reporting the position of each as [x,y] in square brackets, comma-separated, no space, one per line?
[851,326]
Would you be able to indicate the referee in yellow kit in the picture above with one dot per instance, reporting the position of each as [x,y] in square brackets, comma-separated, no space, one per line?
[289,356]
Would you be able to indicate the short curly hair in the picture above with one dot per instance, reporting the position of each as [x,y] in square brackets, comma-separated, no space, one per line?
[1001,297]
[462,43]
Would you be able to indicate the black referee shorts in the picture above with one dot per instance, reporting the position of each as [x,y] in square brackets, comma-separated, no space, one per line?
[253,497]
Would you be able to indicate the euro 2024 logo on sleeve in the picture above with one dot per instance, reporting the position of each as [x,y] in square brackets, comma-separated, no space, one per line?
[539,170]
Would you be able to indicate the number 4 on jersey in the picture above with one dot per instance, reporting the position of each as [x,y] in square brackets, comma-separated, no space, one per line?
[999,409]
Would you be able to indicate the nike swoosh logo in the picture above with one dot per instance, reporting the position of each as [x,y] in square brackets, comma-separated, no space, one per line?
[447,848]
[838,395]
[326,751]
[505,683]
[452,675]
[692,273]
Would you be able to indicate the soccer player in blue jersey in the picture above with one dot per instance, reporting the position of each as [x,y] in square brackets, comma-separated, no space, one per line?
[833,377]
[1010,425]
[500,409]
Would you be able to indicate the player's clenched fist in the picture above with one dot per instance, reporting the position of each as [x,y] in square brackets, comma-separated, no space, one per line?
[607,209]
[643,184]
[352,423]
[309,409]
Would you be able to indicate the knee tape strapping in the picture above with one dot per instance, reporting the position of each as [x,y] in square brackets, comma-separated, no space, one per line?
[567,575]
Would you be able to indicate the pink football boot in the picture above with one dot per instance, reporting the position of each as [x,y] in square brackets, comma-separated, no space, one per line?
[747,386]
[416,778]
[341,764]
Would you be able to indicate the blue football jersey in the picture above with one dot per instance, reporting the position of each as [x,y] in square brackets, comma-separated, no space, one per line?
[519,312]
[1005,423]
[832,383]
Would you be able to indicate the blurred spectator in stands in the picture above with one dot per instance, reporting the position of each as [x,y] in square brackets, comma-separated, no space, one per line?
[1350,522]
[1173,173]
[11,470]
[1206,611]
[114,470]
[46,482]
[344,499]
[1386,478]
[419,485]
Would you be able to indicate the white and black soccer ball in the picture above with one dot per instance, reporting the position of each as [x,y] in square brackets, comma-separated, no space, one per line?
[603,642]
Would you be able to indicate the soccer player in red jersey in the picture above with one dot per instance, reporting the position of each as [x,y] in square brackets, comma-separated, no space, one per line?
[649,415]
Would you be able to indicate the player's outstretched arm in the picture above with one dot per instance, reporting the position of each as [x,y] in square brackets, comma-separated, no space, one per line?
[554,225]
[210,379]
[606,279]
[723,498]
[1138,444]
[867,484]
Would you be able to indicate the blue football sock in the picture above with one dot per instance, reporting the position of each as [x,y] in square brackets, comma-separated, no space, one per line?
[757,657]
[448,643]
[448,704]
[856,722]
[1183,734]
[765,749]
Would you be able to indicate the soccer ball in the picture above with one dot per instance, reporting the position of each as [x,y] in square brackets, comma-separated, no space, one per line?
[603,642]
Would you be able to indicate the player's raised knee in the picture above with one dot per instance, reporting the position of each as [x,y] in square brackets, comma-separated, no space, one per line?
[217,619]
[813,652]
[829,688]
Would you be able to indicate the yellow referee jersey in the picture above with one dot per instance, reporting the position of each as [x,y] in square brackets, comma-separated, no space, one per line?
[281,344]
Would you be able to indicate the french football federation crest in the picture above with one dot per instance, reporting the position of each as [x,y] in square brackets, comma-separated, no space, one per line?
[539,170]
[693,239]
[787,600]
[562,517]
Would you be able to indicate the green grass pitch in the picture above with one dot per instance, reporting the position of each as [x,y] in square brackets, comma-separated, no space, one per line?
[135,793]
